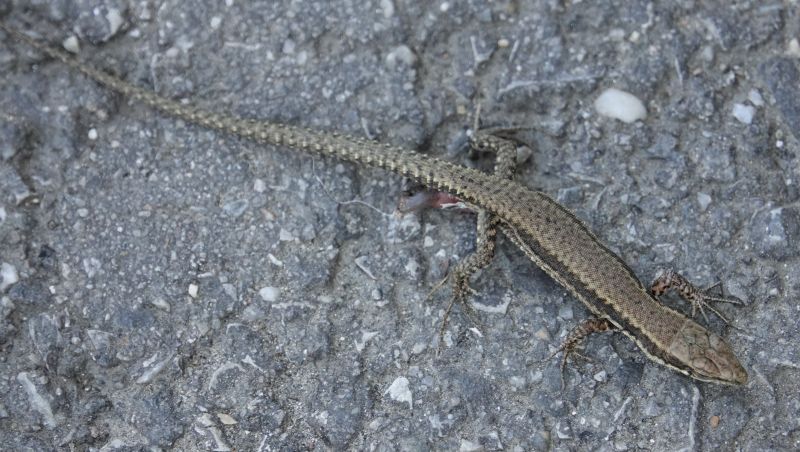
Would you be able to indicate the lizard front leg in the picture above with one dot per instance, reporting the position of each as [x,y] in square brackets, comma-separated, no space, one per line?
[700,299]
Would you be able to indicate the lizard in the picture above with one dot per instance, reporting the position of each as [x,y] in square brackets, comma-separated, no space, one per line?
[547,233]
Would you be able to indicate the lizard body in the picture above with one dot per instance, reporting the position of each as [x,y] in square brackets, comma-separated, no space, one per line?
[550,235]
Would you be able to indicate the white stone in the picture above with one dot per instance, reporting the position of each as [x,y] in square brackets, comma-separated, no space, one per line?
[274,260]
[744,113]
[285,236]
[92,266]
[469,446]
[793,48]
[259,185]
[618,104]
[388,8]
[71,45]
[704,200]
[269,294]
[400,392]
[115,20]
[401,54]
[226,419]
[162,304]
[755,98]
[8,275]
[37,401]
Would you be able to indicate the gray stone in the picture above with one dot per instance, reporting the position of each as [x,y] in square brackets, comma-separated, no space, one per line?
[783,79]
[157,415]
[776,232]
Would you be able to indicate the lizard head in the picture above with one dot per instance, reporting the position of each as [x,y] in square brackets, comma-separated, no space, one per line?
[706,356]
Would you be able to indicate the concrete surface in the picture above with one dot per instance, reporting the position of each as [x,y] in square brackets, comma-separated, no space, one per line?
[165,286]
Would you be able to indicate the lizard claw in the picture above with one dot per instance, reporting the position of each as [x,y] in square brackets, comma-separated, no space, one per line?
[700,299]
[460,296]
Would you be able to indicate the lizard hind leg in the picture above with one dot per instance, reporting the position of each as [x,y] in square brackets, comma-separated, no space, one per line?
[487,224]
[700,299]
[466,267]
[575,338]
[505,153]
[504,150]
[500,141]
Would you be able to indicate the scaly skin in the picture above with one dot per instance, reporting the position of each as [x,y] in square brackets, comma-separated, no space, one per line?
[551,236]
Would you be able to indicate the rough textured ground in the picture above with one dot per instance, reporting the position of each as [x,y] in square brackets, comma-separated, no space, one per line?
[176,288]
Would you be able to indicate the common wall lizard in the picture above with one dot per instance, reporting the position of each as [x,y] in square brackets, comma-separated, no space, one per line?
[550,235]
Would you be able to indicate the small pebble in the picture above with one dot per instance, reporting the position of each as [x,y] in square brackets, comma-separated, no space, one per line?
[714,421]
[755,98]
[703,200]
[400,55]
[226,419]
[600,376]
[388,8]
[793,49]
[235,208]
[71,45]
[269,294]
[160,303]
[744,113]
[259,185]
[618,104]
[115,20]
[8,275]
[400,392]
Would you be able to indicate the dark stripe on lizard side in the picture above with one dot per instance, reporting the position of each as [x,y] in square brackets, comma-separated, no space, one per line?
[595,303]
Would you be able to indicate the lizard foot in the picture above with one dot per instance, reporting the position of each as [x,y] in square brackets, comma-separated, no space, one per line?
[574,339]
[700,299]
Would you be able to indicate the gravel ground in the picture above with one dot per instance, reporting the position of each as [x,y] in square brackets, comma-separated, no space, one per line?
[168,287]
